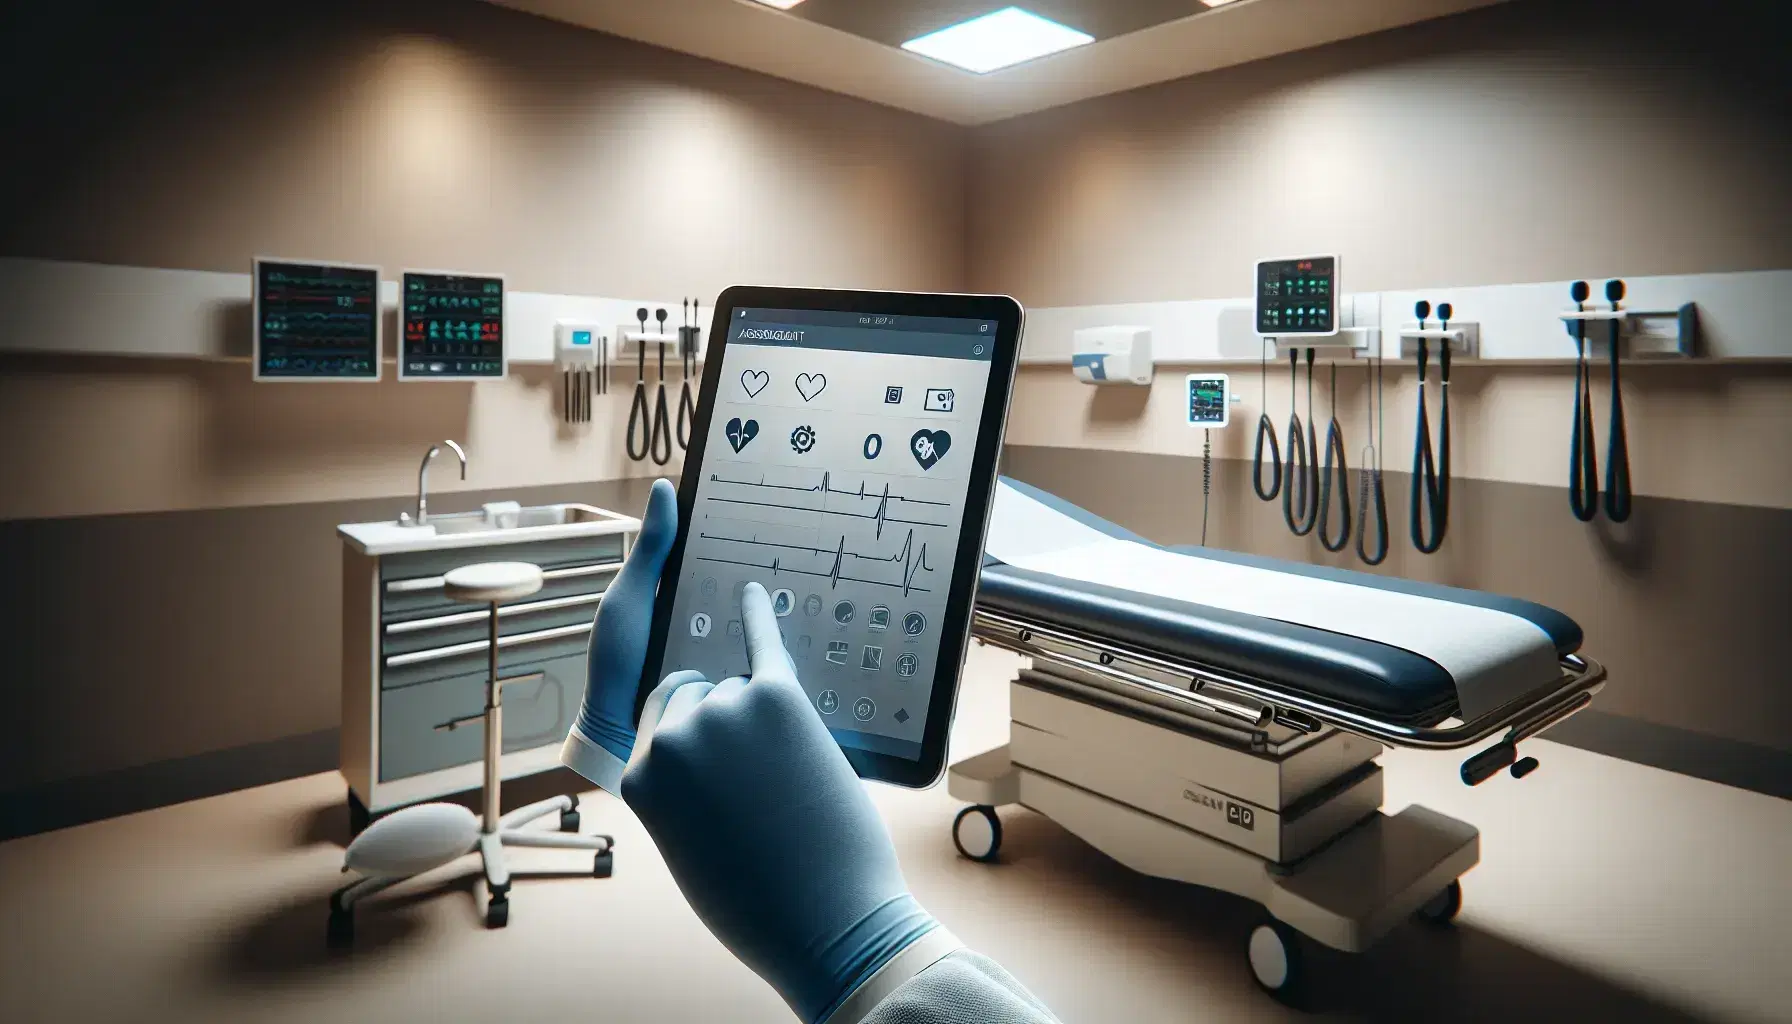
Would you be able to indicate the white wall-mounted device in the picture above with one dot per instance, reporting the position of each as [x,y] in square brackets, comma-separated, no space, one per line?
[1300,303]
[582,355]
[578,345]
[1112,355]
[1297,298]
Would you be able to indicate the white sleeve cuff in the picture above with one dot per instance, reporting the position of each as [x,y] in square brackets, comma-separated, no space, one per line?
[921,954]
[596,764]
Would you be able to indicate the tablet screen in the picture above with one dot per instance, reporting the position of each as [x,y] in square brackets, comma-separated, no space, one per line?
[835,474]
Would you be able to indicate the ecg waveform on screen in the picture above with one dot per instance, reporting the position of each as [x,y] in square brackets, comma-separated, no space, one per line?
[317,320]
[913,561]
[826,488]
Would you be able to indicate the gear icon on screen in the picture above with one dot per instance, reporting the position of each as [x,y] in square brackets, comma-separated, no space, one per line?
[802,439]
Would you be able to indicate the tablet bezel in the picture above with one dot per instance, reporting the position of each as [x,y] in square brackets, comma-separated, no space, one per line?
[979,497]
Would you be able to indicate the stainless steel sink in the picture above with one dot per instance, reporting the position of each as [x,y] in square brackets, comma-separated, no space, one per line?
[523,519]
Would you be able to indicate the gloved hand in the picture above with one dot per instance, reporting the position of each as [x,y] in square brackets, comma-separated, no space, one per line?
[770,834]
[602,737]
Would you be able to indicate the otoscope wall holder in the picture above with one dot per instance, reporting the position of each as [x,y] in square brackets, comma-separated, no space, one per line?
[1463,337]
[1348,343]
[630,338]
[1644,333]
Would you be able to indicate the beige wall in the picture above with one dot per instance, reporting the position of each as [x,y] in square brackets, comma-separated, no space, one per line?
[403,133]
[1527,142]
[1532,141]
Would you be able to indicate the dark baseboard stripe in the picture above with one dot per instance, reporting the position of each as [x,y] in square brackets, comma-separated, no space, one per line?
[129,790]
[1713,758]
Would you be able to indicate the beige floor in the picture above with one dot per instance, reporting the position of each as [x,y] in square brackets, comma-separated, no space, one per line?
[1607,892]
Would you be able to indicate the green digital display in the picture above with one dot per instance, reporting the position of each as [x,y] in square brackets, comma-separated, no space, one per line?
[1297,296]
[1208,399]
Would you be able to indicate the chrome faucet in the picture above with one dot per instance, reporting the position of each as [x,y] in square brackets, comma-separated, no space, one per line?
[423,478]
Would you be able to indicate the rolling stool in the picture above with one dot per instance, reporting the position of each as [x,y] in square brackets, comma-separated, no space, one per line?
[413,840]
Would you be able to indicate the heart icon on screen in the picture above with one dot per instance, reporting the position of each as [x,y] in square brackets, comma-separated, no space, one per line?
[810,384]
[929,446]
[740,433]
[754,381]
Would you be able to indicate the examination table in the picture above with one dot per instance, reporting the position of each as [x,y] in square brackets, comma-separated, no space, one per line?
[1213,718]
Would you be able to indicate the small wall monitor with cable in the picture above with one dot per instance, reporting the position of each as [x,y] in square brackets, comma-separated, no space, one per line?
[1209,399]
[452,326]
[316,321]
[1296,297]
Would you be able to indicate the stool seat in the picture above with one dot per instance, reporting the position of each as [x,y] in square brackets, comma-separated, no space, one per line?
[486,582]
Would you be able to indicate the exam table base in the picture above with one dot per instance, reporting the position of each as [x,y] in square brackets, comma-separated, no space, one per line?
[1346,895]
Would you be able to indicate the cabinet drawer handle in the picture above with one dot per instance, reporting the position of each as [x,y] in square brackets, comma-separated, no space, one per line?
[476,646]
[484,615]
[422,583]
[455,723]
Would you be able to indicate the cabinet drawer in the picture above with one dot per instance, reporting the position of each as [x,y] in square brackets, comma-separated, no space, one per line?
[473,622]
[413,597]
[417,667]
[548,554]
[414,721]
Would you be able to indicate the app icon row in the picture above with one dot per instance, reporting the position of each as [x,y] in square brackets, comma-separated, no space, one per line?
[864,709]
[810,386]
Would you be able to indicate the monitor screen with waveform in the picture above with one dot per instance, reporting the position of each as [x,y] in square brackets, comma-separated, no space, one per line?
[316,321]
[453,326]
[837,511]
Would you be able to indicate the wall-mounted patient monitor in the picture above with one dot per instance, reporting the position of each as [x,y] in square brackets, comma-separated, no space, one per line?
[452,326]
[1209,399]
[1297,297]
[316,321]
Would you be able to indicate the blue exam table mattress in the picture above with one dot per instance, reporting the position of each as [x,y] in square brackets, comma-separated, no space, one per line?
[1377,679]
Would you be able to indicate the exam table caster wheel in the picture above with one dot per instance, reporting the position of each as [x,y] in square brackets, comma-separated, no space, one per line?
[977,833]
[569,818]
[603,864]
[497,912]
[1276,962]
[1442,908]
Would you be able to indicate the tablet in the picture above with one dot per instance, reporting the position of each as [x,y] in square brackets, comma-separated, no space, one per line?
[844,456]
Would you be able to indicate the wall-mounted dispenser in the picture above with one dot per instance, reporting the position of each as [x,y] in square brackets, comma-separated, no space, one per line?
[1112,355]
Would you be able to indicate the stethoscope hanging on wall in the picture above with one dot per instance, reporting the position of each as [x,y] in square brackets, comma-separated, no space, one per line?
[1373,496]
[1583,460]
[649,428]
[640,415]
[1266,431]
[1583,457]
[687,361]
[1617,449]
[1334,456]
[660,446]
[1431,471]
[1300,500]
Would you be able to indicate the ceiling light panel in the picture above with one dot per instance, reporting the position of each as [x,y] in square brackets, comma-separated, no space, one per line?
[997,40]
[785,5]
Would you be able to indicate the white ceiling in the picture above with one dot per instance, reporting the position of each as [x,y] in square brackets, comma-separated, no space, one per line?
[759,38]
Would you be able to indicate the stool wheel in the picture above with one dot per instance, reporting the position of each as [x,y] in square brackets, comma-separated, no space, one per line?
[569,821]
[603,864]
[497,912]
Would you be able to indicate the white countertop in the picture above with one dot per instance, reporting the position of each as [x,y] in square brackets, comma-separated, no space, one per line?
[391,538]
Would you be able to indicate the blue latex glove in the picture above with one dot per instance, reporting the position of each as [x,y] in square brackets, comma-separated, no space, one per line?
[599,744]
[772,837]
